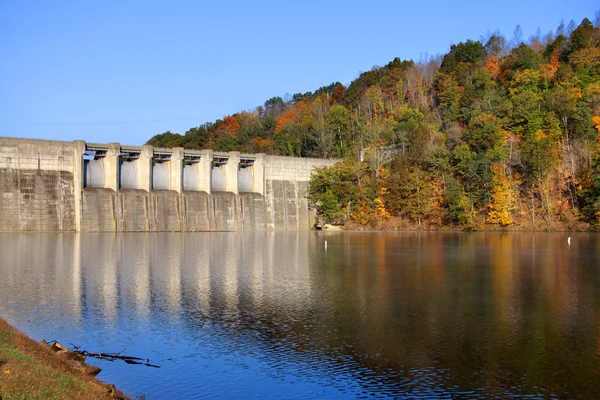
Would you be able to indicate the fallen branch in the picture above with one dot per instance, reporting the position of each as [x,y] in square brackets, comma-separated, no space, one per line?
[57,347]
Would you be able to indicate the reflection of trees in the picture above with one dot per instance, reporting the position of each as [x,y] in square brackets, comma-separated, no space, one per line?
[476,305]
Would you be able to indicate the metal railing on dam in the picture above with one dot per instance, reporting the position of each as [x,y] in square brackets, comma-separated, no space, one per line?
[89,187]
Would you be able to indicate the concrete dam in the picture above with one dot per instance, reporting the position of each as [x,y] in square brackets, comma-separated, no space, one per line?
[52,186]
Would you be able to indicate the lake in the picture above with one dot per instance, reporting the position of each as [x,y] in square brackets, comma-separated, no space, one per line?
[301,315]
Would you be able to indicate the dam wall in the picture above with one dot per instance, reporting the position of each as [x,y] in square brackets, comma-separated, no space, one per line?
[36,186]
[287,187]
[50,186]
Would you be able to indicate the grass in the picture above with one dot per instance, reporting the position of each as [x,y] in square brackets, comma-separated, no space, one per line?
[31,371]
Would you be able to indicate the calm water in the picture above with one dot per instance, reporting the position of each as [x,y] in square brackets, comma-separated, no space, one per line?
[276,315]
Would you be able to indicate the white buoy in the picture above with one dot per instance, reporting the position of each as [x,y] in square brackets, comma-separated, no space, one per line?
[569,240]
[326,245]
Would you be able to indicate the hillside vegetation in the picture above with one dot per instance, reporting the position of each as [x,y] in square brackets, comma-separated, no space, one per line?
[491,135]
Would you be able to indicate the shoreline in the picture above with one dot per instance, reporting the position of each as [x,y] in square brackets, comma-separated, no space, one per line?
[29,369]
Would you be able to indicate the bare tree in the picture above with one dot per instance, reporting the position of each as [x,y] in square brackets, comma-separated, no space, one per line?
[571,27]
[496,45]
[517,36]
[323,135]
[560,29]
[536,42]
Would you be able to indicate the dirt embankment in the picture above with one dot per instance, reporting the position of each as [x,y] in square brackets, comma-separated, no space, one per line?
[518,225]
[30,370]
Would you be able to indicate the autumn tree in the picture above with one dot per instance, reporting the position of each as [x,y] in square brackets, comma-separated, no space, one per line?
[590,188]
[500,205]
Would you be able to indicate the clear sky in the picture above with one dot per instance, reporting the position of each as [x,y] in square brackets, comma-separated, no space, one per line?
[123,71]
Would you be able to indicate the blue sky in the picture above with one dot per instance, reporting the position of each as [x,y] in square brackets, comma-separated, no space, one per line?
[123,71]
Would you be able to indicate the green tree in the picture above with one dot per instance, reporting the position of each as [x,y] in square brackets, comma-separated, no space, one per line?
[338,120]
[457,204]
[417,193]
[496,45]
[584,36]
[523,57]
[474,172]
[470,52]
[447,94]
[197,138]
[167,139]
[289,140]
[485,133]
[563,100]
[333,191]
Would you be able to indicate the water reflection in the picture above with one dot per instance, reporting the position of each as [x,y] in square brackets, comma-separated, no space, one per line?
[276,314]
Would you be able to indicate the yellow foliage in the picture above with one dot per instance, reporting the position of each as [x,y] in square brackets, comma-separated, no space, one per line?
[585,58]
[436,215]
[596,121]
[575,93]
[540,135]
[380,204]
[365,213]
[526,80]
[499,208]
[384,173]
[375,96]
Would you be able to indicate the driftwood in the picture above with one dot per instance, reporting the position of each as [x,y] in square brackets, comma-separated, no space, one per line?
[77,352]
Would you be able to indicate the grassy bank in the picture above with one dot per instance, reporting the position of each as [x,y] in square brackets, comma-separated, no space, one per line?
[29,370]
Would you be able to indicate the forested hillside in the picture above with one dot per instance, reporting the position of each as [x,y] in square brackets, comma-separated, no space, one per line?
[494,134]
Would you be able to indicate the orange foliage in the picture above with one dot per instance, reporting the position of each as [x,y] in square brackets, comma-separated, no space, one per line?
[300,114]
[285,119]
[492,65]
[552,66]
[338,92]
[230,126]
[261,145]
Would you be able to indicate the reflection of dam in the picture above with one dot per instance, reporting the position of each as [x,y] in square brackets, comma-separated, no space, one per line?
[78,186]
[143,273]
